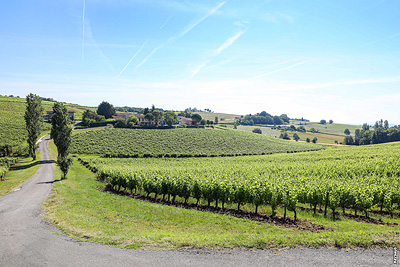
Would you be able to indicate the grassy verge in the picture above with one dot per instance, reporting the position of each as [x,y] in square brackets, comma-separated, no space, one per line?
[19,173]
[79,209]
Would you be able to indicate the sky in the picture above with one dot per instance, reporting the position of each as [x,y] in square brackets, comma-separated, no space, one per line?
[335,59]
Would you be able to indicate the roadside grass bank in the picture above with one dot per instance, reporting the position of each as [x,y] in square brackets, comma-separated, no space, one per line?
[24,169]
[81,210]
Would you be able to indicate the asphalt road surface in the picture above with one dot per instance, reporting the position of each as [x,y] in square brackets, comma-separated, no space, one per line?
[26,239]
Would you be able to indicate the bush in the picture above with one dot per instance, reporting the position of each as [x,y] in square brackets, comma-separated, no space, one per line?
[257,130]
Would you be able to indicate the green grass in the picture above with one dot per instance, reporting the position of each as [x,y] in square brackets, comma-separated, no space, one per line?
[333,129]
[222,117]
[191,142]
[78,208]
[19,173]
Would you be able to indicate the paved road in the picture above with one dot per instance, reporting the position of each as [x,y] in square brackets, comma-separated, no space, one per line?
[27,240]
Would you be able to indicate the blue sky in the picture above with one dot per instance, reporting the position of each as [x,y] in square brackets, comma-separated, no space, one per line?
[336,60]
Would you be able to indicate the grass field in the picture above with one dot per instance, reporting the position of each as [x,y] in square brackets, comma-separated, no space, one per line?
[19,173]
[222,117]
[78,208]
[333,129]
[177,142]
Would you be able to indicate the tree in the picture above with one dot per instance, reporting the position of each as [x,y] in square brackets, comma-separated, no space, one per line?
[296,137]
[277,120]
[133,119]
[149,117]
[308,140]
[348,140]
[89,116]
[285,118]
[61,134]
[196,118]
[347,132]
[257,130]
[315,139]
[33,121]
[106,109]
[386,124]
[284,135]
[145,111]
[365,127]
[216,120]
[330,121]
[157,116]
[322,121]
[153,108]
[203,122]
[170,118]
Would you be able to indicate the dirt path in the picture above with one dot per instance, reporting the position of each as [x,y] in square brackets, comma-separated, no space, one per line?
[27,240]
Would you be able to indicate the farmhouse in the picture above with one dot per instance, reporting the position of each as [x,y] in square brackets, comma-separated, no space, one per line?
[185,121]
[124,116]
[50,114]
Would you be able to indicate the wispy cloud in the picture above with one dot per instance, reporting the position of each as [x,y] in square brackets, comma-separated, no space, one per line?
[276,17]
[228,43]
[149,55]
[96,46]
[166,21]
[193,25]
[218,51]
[183,33]
[137,53]
[281,69]
[384,39]
[83,30]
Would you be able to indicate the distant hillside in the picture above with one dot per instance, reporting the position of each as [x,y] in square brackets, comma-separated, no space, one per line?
[12,123]
[180,142]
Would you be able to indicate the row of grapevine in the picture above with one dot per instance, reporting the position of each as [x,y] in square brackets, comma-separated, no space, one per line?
[5,164]
[137,143]
[360,179]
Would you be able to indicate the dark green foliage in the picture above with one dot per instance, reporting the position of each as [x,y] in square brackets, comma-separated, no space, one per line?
[196,118]
[348,140]
[61,134]
[106,109]
[33,120]
[322,121]
[314,140]
[308,140]
[347,132]
[296,137]
[284,135]
[257,130]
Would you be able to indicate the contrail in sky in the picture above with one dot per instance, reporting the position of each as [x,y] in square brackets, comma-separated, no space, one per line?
[83,30]
[137,53]
[165,23]
[384,39]
[278,70]
[191,26]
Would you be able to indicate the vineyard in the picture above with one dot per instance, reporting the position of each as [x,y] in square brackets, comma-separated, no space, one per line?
[5,163]
[357,179]
[180,143]
[12,123]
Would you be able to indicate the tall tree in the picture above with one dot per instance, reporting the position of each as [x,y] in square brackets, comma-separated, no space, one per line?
[106,109]
[347,131]
[157,116]
[170,118]
[33,121]
[196,118]
[61,134]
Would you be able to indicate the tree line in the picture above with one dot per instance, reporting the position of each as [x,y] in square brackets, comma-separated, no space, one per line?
[381,133]
[263,118]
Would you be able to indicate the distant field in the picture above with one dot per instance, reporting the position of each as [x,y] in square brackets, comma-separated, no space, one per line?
[222,117]
[180,142]
[335,128]
[266,130]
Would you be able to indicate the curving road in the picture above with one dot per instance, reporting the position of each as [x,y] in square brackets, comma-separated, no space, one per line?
[26,239]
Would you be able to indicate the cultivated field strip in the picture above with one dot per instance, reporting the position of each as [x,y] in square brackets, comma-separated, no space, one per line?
[357,178]
[180,143]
